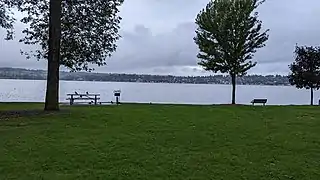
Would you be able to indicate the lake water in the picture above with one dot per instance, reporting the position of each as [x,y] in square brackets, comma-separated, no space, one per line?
[34,91]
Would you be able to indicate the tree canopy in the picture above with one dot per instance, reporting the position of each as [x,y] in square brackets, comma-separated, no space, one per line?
[228,34]
[6,17]
[305,70]
[89,30]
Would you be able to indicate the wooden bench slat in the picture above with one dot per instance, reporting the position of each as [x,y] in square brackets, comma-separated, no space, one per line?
[257,101]
[83,98]
[83,94]
[260,101]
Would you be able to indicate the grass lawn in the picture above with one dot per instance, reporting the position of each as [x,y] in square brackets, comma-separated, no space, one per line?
[162,142]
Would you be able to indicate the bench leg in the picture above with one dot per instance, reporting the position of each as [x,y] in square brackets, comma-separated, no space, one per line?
[71,100]
[117,100]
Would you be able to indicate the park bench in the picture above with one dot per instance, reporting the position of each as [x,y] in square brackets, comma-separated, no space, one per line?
[93,98]
[259,101]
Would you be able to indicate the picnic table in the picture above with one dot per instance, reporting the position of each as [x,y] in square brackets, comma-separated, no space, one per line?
[93,98]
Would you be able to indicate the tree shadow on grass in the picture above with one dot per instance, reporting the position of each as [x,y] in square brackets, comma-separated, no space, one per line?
[12,114]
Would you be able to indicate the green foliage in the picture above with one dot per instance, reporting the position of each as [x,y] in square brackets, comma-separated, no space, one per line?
[89,30]
[156,142]
[6,17]
[305,70]
[228,35]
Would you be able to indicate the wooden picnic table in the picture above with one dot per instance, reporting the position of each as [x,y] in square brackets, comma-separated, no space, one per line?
[76,96]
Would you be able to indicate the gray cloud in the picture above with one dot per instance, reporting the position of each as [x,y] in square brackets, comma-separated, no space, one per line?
[10,52]
[141,48]
[158,37]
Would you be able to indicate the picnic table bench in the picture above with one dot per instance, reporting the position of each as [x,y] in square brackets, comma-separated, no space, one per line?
[259,101]
[76,96]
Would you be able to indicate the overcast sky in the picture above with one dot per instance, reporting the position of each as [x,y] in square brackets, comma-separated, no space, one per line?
[157,37]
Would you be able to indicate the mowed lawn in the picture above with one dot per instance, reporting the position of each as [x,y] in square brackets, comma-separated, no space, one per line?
[162,142]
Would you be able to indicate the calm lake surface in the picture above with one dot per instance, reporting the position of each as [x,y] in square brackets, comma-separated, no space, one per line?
[34,91]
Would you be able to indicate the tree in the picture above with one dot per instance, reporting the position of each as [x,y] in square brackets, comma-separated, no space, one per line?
[228,35]
[6,17]
[305,70]
[72,33]
[54,44]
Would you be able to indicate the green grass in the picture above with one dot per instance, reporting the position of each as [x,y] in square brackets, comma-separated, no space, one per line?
[162,142]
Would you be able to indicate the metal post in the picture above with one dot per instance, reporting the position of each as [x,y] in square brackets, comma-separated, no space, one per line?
[71,100]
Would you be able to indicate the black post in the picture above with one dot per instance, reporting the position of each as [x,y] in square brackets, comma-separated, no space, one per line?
[95,99]
[311,103]
[233,80]
[71,100]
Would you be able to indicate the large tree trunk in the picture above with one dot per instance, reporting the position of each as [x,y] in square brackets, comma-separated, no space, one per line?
[311,97]
[233,80]
[52,93]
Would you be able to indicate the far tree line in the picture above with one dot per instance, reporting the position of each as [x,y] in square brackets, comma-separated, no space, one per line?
[78,34]
[29,74]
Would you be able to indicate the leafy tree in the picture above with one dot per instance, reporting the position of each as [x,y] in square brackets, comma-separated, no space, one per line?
[305,70]
[6,17]
[72,33]
[228,35]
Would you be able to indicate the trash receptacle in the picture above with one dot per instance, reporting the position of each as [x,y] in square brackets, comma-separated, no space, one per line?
[117,94]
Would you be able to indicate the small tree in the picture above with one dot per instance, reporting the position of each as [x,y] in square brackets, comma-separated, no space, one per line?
[305,70]
[228,35]
[71,33]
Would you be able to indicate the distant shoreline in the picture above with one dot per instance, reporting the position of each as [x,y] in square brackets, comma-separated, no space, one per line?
[26,74]
[143,82]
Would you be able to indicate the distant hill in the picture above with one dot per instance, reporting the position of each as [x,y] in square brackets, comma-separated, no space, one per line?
[18,73]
